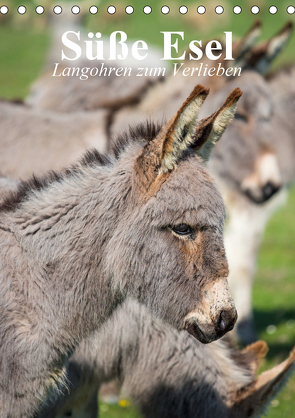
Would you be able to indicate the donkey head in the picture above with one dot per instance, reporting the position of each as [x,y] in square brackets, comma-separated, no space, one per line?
[261,56]
[171,242]
[258,115]
[247,158]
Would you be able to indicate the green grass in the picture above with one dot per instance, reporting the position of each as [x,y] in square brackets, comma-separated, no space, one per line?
[274,296]
[22,53]
[114,411]
[23,47]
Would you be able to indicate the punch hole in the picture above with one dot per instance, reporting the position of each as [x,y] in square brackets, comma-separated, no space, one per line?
[165,10]
[4,10]
[201,10]
[147,10]
[273,10]
[21,10]
[219,10]
[129,10]
[75,10]
[111,10]
[291,10]
[57,10]
[255,10]
[237,10]
[39,10]
[183,10]
[93,10]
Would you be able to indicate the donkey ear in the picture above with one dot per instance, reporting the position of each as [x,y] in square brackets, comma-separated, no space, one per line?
[257,352]
[180,130]
[262,56]
[210,129]
[242,47]
[163,153]
[254,398]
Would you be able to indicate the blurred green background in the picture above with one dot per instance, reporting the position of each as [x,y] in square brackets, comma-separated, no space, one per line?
[24,42]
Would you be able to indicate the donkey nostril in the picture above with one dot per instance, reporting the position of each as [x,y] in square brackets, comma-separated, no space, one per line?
[222,324]
[269,189]
[225,321]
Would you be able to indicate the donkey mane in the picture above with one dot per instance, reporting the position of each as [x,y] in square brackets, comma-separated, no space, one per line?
[36,183]
[145,131]
[142,132]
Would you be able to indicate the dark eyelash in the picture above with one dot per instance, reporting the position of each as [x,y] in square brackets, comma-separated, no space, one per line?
[182,229]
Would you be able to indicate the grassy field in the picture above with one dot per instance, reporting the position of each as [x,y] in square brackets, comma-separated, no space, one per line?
[23,45]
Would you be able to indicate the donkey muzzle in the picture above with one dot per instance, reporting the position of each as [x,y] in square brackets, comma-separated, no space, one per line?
[264,193]
[264,181]
[206,333]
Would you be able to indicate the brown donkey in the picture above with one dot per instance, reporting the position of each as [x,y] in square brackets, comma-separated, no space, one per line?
[76,244]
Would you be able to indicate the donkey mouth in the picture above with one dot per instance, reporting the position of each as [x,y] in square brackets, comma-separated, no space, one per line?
[193,328]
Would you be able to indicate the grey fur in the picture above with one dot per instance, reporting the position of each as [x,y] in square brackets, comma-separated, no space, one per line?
[37,141]
[74,245]
[283,87]
[168,374]
[234,163]
[7,186]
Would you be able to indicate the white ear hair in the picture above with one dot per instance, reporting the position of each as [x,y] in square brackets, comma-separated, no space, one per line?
[264,54]
[219,121]
[181,129]
[242,47]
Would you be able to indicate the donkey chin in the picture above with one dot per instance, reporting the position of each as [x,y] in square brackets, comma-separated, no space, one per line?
[222,316]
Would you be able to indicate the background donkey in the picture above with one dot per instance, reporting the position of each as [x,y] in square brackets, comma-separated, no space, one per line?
[76,244]
[129,97]
[262,176]
[283,87]
[68,94]
[167,373]
[37,141]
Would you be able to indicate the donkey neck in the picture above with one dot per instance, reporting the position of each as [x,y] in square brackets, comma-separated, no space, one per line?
[63,230]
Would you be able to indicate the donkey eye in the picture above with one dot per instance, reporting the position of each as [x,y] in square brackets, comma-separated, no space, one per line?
[182,229]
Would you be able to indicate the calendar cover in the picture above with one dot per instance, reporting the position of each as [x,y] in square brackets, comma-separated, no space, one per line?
[86,84]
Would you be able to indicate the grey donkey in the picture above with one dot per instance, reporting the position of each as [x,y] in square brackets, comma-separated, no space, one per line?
[283,86]
[36,141]
[245,164]
[168,374]
[261,168]
[74,245]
